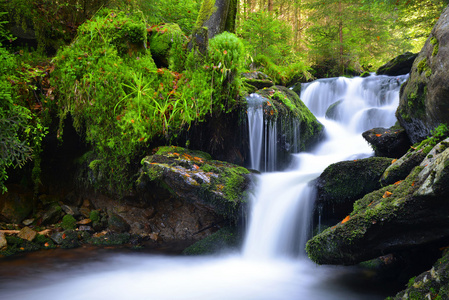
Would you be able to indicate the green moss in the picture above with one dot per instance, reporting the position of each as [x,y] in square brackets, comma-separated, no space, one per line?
[436,45]
[422,65]
[94,215]
[68,222]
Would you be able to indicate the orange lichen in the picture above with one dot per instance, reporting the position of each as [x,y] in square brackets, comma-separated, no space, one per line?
[387,194]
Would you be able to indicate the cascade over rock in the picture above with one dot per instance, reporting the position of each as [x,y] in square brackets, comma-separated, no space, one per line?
[424,101]
[409,213]
[289,127]
[342,183]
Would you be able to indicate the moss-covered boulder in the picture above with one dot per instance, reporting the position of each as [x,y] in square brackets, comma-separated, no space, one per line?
[399,65]
[342,183]
[432,284]
[424,99]
[407,214]
[388,142]
[195,177]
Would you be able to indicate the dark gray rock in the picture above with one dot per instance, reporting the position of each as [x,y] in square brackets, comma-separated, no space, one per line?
[399,65]
[392,142]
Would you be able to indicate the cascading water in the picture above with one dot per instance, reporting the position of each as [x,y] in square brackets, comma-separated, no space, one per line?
[272,264]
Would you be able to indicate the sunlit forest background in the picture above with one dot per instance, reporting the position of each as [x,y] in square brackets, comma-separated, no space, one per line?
[123,71]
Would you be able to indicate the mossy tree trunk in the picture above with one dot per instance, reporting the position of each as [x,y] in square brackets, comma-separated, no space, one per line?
[215,16]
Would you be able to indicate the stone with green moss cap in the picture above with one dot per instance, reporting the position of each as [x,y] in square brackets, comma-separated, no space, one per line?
[195,177]
[404,215]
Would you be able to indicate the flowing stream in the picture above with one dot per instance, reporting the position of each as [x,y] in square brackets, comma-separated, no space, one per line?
[272,263]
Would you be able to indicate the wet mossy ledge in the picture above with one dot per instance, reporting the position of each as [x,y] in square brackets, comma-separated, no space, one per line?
[409,213]
[194,176]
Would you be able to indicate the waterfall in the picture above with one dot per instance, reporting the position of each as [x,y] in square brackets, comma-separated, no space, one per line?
[280,216]
[272,263]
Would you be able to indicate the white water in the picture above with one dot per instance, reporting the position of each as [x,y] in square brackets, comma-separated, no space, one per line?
[272,264]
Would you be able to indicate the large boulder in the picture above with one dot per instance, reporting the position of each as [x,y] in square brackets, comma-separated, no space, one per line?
[407,214]
[178,175]
[399,65]
[424,99]
[342,183]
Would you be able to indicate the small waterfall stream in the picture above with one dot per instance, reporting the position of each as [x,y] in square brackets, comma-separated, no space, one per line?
[272,264]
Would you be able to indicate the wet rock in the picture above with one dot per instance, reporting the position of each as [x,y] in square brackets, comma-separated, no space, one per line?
[342,183]
[85,212]
[399,65]
[27,222]
[85,228]
[432,284]
[57,237]
[407,214]
[117,224]
[70,210]
[3,242]
[27,234]
[332,112]
[52,215]
[392,142]
[400,168]
[424,99]
[16,204]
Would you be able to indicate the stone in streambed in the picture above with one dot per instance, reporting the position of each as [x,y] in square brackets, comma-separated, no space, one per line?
[27,234]
[3,242]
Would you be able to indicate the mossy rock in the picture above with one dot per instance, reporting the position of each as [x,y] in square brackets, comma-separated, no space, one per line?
[68,222]
[195,177]
[405,215]
[225,238]
[399,65]
[342,183]
[424,97]
[388,142]
[16,245]
[432,284]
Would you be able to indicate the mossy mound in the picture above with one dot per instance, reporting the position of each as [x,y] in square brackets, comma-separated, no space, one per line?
[193,176]
[165,42]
